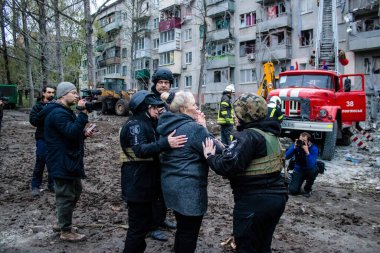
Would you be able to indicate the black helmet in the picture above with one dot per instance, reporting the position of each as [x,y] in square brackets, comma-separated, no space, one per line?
[143,97]
[162,74]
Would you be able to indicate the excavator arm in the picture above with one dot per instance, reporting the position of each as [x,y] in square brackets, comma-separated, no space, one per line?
[267,84]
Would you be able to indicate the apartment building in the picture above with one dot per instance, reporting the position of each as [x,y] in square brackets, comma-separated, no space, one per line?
[240,36]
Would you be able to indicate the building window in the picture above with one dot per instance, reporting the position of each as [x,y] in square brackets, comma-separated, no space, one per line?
[220,49]
[372,65]
[167,58]
[187,35]
[124,53]
[155,23]
[156,42]
[222,23]
[174,85]
[306,38]
[217,76]
[306,5]
[140,44]
[189,58]
[114,68]
[167,36]
[248,76]
[247,47]
[155,64]
[276,10]
[124,70]
[247,19]
[188,81]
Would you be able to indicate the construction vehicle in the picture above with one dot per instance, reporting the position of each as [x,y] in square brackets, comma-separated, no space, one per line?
[323,103]
[114,97]
[9,93]
[268,82]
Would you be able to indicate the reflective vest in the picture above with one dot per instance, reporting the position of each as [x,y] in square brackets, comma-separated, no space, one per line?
[272,162]
[225,116]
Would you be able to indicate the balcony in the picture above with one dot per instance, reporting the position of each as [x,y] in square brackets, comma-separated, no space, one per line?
[266,2]
[220,61]
[283,20]
[215,8]
[109,61]
[169,24]
[280,52]
[116,24]
[365,41]
[100,47]
[164,4]
[141,53]
[142,74]
[221,34]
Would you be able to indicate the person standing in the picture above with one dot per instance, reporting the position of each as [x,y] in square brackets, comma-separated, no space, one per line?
[253,164]
[274,109]
[226,115]
[184,171]
[65,133]
[141,169]
[2,102]
[41,149]
[305,168]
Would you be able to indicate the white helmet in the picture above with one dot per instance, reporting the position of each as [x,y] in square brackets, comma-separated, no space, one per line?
[276,100]
[230,88]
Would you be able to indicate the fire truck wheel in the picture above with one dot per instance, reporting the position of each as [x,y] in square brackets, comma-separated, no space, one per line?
[328,147]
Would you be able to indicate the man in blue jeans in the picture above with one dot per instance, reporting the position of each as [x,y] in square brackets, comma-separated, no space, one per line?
[305,169]
[41,150]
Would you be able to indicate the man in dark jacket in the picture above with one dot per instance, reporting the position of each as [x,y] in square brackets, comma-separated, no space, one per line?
[41,150]
[305,168]
[64,135]
[253,164]
[226,115]
[141,170]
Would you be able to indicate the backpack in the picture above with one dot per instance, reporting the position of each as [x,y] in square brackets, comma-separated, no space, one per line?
[321,167]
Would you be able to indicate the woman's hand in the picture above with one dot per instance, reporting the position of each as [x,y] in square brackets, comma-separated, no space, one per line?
[208,147]
[176,141]
[201,118]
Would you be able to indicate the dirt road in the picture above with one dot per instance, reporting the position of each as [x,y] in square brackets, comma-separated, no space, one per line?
[341,216]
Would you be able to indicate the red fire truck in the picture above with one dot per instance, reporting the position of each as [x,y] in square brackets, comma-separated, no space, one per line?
[323,103]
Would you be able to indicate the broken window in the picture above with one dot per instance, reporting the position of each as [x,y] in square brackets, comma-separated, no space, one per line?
[217,76]
[247,47]
[372,65]
[306,38]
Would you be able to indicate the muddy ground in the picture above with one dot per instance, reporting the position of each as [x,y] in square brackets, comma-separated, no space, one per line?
[341,216]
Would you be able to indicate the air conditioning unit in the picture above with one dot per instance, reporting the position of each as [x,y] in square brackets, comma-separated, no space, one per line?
[251,57]
[184,66]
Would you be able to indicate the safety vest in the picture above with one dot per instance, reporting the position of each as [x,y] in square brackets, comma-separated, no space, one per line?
[225,116]
[272,162]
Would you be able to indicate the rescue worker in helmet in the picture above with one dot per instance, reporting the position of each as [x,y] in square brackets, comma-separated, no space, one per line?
[253,164]
[162,79]
[226,115]
[141,168]
[274,109]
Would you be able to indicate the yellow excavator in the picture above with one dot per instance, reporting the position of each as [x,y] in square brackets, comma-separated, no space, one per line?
[268,83]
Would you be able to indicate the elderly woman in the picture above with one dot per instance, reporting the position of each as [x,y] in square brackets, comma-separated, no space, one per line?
[184,171]
[253,164]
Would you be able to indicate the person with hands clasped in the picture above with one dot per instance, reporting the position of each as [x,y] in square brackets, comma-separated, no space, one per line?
[253,164]
[140,170]
[305,154]
[64,133]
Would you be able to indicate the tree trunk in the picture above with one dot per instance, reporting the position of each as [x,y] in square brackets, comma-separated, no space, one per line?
[203,56]
[42,40]
[28,62]
[4,42]
[58,40]
[133,8]
[15,21]
[89,45]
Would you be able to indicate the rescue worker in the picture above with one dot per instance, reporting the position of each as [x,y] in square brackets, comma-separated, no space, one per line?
[253,164]
[226,115]
[305,168]
[141,168]
[274,109]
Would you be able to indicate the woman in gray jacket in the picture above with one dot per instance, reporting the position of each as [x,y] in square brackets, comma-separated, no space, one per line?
[184,171]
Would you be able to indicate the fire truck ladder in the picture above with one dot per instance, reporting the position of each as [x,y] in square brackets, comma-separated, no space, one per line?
[327,36]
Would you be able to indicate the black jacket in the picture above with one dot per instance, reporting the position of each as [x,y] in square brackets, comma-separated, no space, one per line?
[142,177]
[64,136]
[37,121]
[248,145]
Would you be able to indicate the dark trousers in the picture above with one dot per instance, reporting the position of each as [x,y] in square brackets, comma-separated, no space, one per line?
[124,183]
[225,133]
[41,151]
[67,193]
[139,221]
[159,212]
[255,218]
[187,232]
[299,177]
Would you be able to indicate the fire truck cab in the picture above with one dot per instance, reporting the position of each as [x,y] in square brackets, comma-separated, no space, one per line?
[323,103]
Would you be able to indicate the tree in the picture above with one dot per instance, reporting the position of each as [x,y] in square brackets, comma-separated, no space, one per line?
[4,41]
